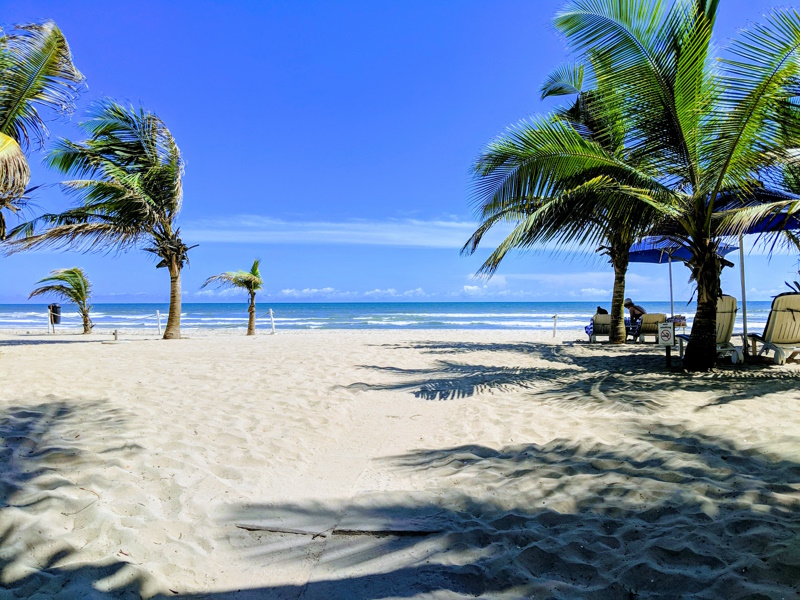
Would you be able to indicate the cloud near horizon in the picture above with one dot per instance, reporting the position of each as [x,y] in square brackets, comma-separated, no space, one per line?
[403,232]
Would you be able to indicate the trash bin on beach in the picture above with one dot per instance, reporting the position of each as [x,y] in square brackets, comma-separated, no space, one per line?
[55,313]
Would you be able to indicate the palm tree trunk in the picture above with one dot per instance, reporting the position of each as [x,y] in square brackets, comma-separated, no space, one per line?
[87,322]
[619,249]
[619,259]
[251,323]
[701,353]
[173,330]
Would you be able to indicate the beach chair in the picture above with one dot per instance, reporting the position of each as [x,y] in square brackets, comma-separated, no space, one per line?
[649,326]
[726,317]
[601,325]
[782,331]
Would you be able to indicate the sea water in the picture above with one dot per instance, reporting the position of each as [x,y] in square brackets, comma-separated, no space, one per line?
[361,315]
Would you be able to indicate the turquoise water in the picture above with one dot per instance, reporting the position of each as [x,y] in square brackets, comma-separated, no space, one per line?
[378,315]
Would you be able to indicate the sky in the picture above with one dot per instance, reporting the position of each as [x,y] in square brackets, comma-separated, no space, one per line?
[333,140]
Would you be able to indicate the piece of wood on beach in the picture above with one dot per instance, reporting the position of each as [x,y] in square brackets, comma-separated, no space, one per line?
[349,531]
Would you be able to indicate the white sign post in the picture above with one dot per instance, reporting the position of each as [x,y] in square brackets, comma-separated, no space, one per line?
[666,338]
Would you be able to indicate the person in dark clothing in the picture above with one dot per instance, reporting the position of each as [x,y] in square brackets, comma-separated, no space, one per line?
[635,310]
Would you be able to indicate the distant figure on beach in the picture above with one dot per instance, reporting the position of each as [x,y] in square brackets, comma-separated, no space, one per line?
[635,310]
[601,311]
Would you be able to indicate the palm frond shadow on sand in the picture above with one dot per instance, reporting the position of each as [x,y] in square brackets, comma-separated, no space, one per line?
[671,513]
[629,378]
[667,509]
[40,441]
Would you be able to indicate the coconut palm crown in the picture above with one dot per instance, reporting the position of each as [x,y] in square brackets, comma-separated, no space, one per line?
[37,72]
[128,190]
[710,133]
[249,281]
[70,285]
[547,214]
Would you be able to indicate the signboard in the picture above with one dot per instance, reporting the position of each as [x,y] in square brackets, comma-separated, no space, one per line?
[666,334]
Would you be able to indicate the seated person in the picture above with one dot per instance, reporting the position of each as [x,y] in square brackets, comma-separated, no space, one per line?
[635,310]
[589,329]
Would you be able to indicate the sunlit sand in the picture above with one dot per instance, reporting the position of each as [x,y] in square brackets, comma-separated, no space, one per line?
[372,464]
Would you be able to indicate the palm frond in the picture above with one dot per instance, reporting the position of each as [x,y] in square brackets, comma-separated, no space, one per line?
[37,71]
[249,281]
[751,122]
[127,188]
[565,80]
[643,47]
[70,284]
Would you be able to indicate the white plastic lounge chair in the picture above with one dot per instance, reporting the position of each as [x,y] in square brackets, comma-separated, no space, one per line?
[726,317]
[601,325]
[649,326]
[782,331]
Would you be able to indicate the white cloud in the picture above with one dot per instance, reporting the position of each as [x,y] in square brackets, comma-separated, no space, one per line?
[219,293]
[406,232]
[475,290]
[379,292]
[333,293]
[306,292]
[595,292]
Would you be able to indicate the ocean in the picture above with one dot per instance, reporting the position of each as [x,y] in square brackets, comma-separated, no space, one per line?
[377,315]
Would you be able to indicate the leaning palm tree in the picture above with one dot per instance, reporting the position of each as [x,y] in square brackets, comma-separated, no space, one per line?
[547,215]
[71,285]
[707,133]
[128,185]
[249,281]
[37,72]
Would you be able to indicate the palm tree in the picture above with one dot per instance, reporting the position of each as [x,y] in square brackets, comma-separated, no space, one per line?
[71,285]
[547,215]
[705,132]
[128,185]
[250,281]
[37,72]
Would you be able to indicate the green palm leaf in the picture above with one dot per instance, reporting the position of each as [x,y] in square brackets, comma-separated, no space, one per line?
[70,285]
[249,281]
[37,71]
[128,190]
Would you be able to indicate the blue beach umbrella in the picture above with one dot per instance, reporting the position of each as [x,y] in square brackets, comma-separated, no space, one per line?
[660,250]
[769,224]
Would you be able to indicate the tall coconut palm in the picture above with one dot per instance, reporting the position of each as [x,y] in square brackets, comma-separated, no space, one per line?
[36,72]
[70,285]
[547,214]
[704,131]
[128,186]
[249,281]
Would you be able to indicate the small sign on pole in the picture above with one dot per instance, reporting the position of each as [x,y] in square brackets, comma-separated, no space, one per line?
[666,338]
[666,334]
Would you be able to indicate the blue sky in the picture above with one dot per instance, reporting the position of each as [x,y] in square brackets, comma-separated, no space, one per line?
[333,141]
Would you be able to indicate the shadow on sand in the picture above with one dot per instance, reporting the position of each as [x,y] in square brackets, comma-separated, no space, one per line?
[22,341]
[671,513]
[626,378]
[667,512]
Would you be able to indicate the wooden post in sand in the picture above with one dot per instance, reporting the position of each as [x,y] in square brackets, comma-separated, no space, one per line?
[555,323]
[272,320]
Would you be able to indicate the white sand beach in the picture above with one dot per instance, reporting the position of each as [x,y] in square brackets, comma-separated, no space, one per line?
[374,464]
